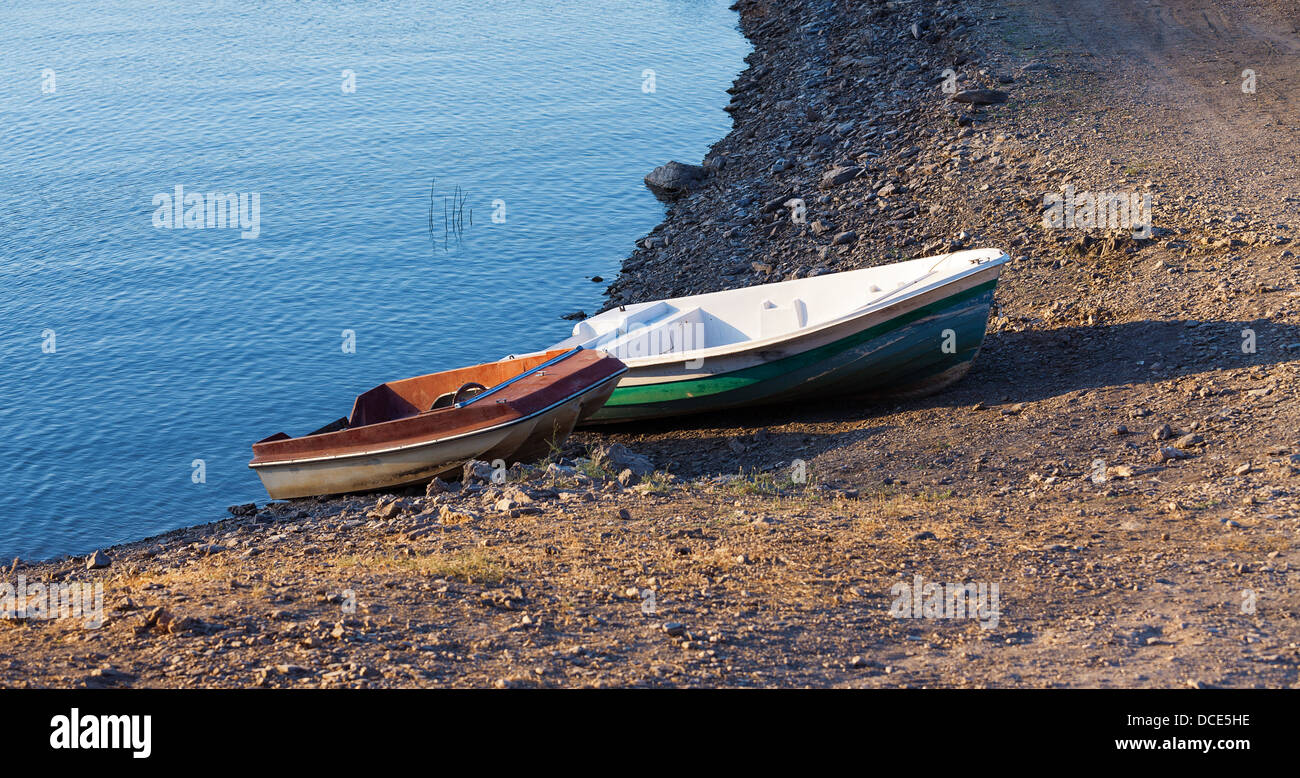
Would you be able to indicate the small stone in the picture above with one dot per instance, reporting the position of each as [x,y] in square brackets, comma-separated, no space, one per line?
[163,620]
[1163,432]
[844,238]
[388,510]
[674,628]
[839,175]
[1169,453]
[436,487]
[98,561]
[556,470]
[110,673]
[620,458]
[980,96]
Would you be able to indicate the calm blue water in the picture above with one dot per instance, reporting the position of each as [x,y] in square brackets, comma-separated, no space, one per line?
[176,345]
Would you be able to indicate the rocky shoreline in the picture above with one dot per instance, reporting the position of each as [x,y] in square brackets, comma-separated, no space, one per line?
[1116,463]
[832,163]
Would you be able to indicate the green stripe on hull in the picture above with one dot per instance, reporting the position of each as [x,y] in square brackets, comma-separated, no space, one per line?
[901,351]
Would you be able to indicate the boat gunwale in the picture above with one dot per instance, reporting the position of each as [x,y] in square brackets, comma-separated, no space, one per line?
[650,382]
[254,464]
[485,415]
[731,349]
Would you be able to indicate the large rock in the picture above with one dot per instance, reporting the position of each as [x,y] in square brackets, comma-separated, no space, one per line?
[839,175]
[476,471]
[674,179]
[620,459]
[980,96]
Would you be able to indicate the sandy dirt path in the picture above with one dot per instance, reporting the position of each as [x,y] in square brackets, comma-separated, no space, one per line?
[1169,88]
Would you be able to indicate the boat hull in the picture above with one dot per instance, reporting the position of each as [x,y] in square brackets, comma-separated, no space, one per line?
[901,350]
[418,462]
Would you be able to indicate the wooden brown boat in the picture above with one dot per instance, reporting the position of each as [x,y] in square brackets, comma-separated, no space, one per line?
[406,432]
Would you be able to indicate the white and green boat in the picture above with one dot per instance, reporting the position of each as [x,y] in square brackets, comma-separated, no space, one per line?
[908,328]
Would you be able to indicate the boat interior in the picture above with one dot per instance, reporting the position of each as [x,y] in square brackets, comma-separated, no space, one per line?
[686,324]
[436,391]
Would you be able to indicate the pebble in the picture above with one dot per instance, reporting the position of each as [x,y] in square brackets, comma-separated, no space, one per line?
[1169,453]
